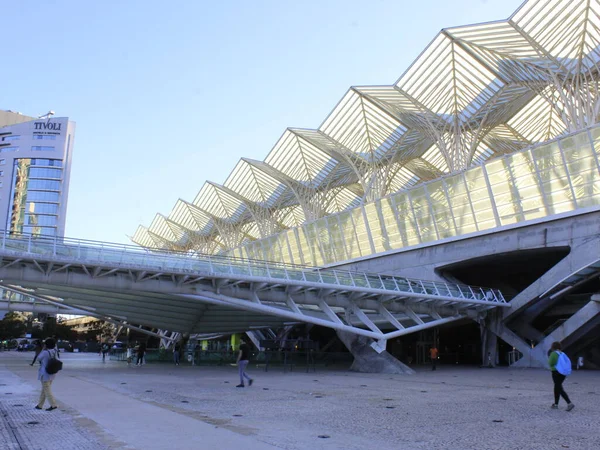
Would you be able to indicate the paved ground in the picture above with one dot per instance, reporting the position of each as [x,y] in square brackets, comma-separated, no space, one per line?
[111,406]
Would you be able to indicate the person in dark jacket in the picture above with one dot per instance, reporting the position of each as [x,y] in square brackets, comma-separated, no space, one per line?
[177,352]
[140,353]
[38,349]
[242,361]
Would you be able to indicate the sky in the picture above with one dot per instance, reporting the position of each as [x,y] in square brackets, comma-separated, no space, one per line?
[167,95]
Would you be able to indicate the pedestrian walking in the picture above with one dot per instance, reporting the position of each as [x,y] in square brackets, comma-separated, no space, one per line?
[38,349]
[129,354]
[560,365]
[433,354]
[46,378]
[176,352]
[242,361]
[140,353]
[104,350]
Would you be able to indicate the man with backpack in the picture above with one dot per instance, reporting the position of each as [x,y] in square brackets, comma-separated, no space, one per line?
[560,365]
[49,366]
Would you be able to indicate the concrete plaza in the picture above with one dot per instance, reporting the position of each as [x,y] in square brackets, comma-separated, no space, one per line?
[160,406]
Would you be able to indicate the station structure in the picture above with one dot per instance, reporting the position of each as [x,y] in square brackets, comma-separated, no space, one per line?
[479,166]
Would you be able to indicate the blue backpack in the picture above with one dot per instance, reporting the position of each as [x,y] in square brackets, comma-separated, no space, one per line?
[563,365]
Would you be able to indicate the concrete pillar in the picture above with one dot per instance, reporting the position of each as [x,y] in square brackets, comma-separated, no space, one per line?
[489,340]
[489,348]
[367,359]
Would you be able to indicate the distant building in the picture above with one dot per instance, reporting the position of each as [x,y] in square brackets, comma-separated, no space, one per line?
[83,324]
[35,165]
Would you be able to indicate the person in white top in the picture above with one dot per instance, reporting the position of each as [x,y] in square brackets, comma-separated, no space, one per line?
[45,355]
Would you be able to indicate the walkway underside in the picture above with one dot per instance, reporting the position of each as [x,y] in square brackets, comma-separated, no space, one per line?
[190,295]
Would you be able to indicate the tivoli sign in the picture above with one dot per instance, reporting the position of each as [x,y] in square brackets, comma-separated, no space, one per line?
[53,126]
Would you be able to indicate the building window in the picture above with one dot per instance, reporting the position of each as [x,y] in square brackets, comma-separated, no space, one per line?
[46,162]
[11,138]
[2,162]
[1,173]
[46,137]
[42,148]
[1,183]
[8,149]
[43,185]
[45,172]
[41,208]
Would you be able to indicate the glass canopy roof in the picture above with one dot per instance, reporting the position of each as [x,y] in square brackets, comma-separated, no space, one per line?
[475,93]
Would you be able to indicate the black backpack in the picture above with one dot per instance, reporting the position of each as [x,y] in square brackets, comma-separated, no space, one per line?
[54,364]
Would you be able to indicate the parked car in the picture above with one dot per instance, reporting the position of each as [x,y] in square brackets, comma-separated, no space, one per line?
[25,347]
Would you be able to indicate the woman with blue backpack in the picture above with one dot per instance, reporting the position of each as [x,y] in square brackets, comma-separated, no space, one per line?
[560,365]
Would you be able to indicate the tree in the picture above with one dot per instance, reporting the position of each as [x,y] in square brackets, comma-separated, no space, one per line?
[65,333]
[12,326]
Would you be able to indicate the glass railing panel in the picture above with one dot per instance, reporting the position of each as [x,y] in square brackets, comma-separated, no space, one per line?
[328,277]
[480,198]
[362,244]
[441,209]
[527,184]
[295,251]
[296,275]
[239,269]
[377,228]
[375,282]
[406,219]
[16,244]
[555,182]
[393,238]
[508,202]
[359,280]
[460,204]
[388,283]
[312,238]
[336,239]
[312,276]
[309,258]
[415,286]
[430,287]
[344,278]
[583,169]
[420,205]
[453,290]
[277,272]
[466,292]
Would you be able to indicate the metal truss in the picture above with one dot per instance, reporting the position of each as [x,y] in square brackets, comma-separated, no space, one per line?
[475,92]
[186,294]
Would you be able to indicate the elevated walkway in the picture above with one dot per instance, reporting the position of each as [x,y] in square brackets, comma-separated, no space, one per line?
[207,294]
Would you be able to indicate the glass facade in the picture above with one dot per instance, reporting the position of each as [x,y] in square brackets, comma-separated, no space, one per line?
[46,137]
[35,196]
[11,138]
[557,177]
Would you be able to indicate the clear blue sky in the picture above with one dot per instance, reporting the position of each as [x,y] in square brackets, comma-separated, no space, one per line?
[169,94]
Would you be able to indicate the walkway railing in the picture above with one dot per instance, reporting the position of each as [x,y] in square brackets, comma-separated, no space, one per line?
[127,256]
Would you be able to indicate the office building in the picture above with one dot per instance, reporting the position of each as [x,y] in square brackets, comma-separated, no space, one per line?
[35,163]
